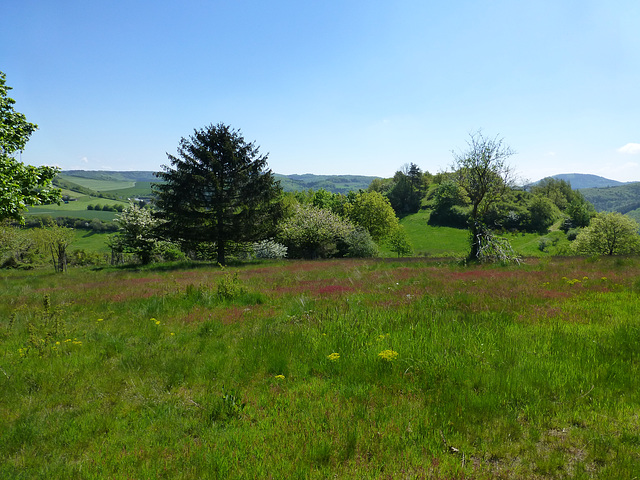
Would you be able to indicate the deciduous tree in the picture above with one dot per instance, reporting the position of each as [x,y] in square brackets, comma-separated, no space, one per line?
[371,210]
[610,233]
[20,185]
[484,175]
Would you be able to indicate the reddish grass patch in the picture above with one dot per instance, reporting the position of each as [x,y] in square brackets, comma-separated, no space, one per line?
[196,315]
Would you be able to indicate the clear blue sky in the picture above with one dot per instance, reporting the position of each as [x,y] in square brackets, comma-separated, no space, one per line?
[329,87]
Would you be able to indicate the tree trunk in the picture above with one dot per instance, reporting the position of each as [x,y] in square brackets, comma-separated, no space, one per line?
[220,249]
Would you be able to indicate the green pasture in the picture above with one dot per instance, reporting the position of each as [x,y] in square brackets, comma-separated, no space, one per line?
[90,241]
[141,189]
[77,208]
[99,185]
[344,369]
[430,241]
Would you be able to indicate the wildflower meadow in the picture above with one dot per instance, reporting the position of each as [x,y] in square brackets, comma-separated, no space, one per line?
[322,369]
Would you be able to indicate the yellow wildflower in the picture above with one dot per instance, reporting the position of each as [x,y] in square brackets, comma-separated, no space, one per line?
[279,377]
[334,357]
[388,355]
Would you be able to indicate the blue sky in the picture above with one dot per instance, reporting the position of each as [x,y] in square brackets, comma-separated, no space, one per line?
[330,87]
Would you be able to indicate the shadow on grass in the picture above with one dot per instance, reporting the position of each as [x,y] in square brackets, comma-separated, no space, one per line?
[181,265]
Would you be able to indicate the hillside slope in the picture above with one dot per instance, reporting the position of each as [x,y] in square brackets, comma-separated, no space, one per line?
[624,198]
[579,181]
[102,181]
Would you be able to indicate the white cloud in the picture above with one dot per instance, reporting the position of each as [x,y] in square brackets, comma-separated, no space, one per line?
[84,160]
[631,148]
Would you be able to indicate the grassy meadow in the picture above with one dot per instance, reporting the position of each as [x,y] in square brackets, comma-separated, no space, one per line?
[324,369]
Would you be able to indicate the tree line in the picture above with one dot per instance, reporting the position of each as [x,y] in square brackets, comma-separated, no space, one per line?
[217,197]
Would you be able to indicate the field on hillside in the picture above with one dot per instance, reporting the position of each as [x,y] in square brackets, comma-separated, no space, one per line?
[78,209]
[447,242]
[100,185]
[325,369]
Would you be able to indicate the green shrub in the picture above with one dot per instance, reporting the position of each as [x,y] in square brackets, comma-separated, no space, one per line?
[229,287]
[170,252]
[360,244]
[572,233]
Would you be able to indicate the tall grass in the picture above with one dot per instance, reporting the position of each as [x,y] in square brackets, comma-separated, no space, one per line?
[354,369]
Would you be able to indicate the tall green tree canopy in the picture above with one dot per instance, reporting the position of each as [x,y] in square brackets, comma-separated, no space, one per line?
[372,210]
[20,185]
[219,191]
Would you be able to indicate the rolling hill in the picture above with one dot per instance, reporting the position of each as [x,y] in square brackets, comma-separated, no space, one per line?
[579,181]
[121,184]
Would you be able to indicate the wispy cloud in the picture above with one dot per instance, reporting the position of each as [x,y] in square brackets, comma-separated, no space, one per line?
[631,148]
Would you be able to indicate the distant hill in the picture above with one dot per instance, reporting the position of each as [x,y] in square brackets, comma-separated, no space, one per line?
[606,195]
[111,181]
[106,184]
[579,181]
[624,198]
[331,183]
[106,175]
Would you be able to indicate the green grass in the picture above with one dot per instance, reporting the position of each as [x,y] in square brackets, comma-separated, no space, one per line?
[78,209]
[430,241]
[173,371]
[99,185]
[434,241]
[90,241]
[141,189]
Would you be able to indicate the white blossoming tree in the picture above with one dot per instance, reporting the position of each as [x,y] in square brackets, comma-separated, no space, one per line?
[136,233]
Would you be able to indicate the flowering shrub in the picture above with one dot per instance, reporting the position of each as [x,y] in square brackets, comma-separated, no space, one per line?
[269,249]
[136,233]
[313,232]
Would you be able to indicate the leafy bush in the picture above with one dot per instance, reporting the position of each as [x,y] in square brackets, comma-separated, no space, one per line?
[372,210]
[543,213]
[229,287]
[572,233]
[169,251]
[399,243]
[136,233]
[543,244]
[313,232]
[360,244]
[609,233]
[81,257]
